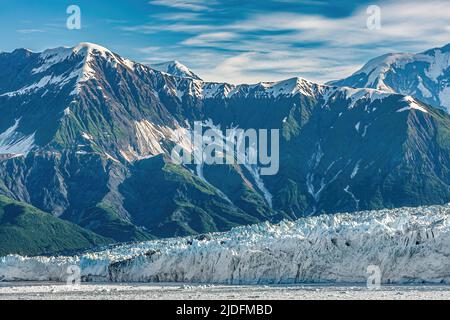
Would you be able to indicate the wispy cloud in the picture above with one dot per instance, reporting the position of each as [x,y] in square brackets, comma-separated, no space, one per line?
[280,44]
[178,16]
[151,49]
[27,31]
[211,39]
[194,5]
[173,27]
[252,67]
[306,2]
[409,23]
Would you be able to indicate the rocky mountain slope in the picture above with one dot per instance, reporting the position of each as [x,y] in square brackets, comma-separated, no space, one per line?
[86,135]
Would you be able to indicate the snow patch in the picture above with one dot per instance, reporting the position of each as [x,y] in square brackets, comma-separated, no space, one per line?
[356,95]
[425,92]
[289,87]
[347,190]
[60,80]
[254,171]
[355,170]
[14,142]
[438,64]
[87,136]
[444,97]
[365,130]
[412,104]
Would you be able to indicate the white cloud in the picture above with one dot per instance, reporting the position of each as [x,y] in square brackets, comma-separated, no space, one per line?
[210,39]
[194,5]
[178,16]
[26,31]
[254,67]
[401,21]
[173,27]
[150,49]
[273,46]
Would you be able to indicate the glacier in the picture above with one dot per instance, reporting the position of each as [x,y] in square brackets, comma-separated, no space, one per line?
[409,245]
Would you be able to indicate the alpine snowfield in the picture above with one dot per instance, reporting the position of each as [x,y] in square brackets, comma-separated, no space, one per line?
[409,245]
[423,76]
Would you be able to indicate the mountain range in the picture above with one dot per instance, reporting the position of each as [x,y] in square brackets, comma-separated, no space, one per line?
[86,135]
[425,76]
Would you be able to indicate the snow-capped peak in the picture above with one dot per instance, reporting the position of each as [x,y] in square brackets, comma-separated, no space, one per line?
[284,88]
[175,68]
[89,52]
[438,60]
[376,69]
[90,47]
[424,75]
[288,87]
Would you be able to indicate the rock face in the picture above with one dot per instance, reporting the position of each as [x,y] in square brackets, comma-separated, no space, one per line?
[86,135]
[425,76]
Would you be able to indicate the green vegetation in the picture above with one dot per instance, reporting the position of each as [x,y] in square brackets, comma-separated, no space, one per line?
[27,230]
[104,220]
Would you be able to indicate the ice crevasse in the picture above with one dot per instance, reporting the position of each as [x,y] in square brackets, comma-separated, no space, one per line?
[409,245]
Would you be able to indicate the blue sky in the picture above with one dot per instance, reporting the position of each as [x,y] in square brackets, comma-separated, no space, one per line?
[236,41]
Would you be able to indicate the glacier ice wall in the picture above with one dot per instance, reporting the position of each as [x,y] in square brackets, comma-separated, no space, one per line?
[410,245]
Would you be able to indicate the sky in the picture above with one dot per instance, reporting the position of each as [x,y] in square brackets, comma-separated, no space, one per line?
[236,41]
